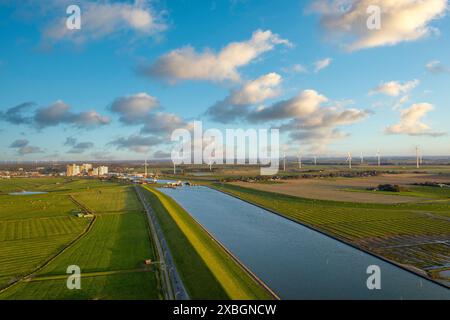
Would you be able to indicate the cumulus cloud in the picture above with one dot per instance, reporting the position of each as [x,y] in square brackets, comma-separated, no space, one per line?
[136,143]
[322,64]
[411,122]
[436,67]
[23,147]
[19,143]
[253,92]
[59,113]
[143,109]
[395,88]
[81,147]
[401,20]
[102,19]
[132,109]
[15,115]
[70,141]
[296,68]
[163,123]
[304,104]
[310,117]
[162,154]
[187,64]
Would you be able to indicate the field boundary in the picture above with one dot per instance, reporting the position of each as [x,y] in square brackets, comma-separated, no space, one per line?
[407,268]
[51,259]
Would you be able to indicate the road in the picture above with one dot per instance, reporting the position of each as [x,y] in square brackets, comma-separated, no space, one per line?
[173,286]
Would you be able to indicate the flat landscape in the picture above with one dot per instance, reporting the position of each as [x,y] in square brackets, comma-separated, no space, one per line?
[41,235]
[346,189]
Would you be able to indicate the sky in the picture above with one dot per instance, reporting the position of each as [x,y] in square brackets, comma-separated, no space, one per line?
[330,75]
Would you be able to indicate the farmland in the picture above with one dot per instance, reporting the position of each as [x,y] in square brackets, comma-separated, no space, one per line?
[40,236]
[415,234]
[199,259]
[356,189]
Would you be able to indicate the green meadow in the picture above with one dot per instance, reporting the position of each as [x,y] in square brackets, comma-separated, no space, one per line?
[40,236]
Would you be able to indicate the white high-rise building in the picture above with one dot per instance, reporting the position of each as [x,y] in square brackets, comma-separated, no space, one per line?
[102,170]
[72,170]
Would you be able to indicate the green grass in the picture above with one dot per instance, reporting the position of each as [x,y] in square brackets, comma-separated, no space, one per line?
[207,271]
[118,199]
[35,206]
[351,220]
[130,286]
[115,242]
[412,191]
[35,229]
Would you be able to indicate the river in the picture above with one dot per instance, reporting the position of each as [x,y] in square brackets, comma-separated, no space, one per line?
[293,260]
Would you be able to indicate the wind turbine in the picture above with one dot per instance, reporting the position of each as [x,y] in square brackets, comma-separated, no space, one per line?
[417,158]
[210,165]
[300,161]
[145,170]
[379,157]
[362,158]
[284,161]
[349,159]
[315,160]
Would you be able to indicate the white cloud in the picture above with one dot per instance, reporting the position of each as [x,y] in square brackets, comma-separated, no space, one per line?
[23,147]
[401,20]
[311,118]
[101,19]
[258,90]
[163,123]
[59,113]
[306,103]
[187,64]
[134,107]
[321,64]
[136,143]
[236,104]
[411,122]
[296,68]
[436,66]
[395,88]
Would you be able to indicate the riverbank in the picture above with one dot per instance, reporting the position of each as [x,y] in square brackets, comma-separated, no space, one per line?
[207,270]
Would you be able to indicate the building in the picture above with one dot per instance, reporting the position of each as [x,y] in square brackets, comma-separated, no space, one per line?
[72,170]
[85,167]
[102,170]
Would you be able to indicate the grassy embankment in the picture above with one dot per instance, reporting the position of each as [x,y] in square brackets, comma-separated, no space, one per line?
[375,227]
[207,270]
[110,254]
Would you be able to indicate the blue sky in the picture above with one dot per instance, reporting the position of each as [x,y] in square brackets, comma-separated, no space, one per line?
[386,89]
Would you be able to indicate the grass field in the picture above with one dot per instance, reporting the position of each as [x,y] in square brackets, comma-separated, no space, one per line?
[207,271]
[110,255]
[398,232]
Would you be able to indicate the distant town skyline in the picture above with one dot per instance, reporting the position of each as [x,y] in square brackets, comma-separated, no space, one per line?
[119,86]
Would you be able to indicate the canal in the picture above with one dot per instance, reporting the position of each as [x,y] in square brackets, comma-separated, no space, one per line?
[293,260]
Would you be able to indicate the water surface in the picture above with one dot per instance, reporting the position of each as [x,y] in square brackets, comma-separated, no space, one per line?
[295,261]
[26,193]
